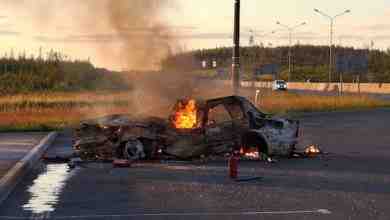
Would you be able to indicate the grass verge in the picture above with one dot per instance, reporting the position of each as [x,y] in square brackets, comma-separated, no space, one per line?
[52,111]
[287,103]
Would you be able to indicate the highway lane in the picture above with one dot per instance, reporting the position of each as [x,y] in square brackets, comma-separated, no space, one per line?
[351,182]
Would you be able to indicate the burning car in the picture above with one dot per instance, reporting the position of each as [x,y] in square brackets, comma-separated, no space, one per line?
[195,128]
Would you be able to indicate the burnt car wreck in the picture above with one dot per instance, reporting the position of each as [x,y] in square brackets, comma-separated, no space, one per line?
[195,129]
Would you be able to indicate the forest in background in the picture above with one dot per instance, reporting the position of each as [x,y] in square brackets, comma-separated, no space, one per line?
[309,62]
[57,72]
[54,72]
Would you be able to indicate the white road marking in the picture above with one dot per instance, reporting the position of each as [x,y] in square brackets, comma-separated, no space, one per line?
[318,211]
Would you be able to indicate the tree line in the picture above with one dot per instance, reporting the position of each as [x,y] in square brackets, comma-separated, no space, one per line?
[54,72]
[309,62]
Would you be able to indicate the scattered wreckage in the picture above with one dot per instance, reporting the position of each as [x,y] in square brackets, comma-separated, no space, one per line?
[195,129]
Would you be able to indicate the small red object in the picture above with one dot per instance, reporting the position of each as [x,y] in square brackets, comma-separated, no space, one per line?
[121,163]
[233,166]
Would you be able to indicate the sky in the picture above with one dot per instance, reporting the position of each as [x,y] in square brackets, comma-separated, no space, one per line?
[28,25]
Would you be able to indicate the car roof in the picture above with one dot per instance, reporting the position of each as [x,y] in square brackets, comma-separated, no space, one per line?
[244,103]
[226,99]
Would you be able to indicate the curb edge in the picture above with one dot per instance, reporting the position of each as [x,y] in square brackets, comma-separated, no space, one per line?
[9,181]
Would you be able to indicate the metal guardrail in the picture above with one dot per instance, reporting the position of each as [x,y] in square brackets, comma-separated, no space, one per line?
[374,88]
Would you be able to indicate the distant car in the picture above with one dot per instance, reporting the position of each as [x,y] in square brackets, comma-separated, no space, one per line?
[279,85]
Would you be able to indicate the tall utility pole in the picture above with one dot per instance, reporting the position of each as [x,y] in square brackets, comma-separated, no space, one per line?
[236,49]
[290,31]
[331,18]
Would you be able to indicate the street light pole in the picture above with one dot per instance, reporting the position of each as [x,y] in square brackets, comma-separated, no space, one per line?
[236,49]
[253,36]
[289,54]
[331,51]
[331,19]
[290,31]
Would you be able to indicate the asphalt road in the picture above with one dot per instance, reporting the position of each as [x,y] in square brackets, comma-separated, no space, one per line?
[14,146]
[351,182]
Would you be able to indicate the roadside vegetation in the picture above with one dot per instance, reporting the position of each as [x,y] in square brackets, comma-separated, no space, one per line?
[56,110]
[53,72]
[287,103]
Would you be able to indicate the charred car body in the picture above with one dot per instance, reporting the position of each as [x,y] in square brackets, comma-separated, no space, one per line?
[195,129]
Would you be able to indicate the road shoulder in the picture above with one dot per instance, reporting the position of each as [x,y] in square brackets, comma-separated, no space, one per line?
[13,176]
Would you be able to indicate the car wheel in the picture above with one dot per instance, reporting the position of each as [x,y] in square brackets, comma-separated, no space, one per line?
[134,150]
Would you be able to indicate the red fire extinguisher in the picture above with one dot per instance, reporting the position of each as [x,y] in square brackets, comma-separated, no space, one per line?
[233,165]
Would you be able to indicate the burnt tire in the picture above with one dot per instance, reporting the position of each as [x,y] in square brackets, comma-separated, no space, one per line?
[133,150]
[149,147]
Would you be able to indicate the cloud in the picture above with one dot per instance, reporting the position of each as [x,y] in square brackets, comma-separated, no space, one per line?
[120,33]
[77,38]
[374,27]
[112,38]
[9,33]
[106,38]
[352,37]
[380,37]
[299,35]
[92,38]
[206,36]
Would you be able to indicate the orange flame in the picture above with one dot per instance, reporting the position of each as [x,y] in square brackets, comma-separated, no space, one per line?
[312,150]
[251,153]
[186,115]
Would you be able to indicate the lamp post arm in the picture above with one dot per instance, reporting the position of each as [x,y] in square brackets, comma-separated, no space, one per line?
[341,14]
[285,26]
[323,14]
[297,26]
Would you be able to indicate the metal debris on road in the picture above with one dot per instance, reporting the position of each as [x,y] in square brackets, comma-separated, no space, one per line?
[121,163]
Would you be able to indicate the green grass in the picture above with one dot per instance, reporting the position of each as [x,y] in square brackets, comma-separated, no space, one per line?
[287,103]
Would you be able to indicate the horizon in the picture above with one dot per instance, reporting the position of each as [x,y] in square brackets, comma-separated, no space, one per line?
[21,29]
